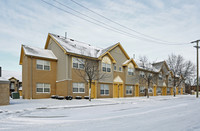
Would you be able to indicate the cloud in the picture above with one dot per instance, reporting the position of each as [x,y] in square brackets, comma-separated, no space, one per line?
[29,22]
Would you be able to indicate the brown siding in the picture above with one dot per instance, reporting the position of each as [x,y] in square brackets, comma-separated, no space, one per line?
[4,93]
[31,77]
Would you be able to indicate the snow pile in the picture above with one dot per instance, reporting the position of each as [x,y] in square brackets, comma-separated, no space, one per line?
[138,113]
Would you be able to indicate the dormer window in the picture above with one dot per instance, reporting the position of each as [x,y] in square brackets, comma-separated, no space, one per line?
[130,71]
[120,68]
[106,64]
[160,76]
[106,67]
[141,74]
[115,67]
[78,63]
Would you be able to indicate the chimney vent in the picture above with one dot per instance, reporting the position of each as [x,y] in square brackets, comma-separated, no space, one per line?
[0,71]
[65,35]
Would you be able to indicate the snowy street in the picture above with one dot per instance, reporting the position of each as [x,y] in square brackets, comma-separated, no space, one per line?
[139,113]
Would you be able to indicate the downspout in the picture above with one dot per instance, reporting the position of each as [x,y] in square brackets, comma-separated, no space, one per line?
[31,75]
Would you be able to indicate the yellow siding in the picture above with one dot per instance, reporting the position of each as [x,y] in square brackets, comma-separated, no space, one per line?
[137,90]
[93,91]
[164,91]
[118,91]
[172,91]
[181,91]
[176,91]
[154,90]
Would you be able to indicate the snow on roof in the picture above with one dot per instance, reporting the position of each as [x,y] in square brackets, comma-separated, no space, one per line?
[73,46]
[9,74]
[3,79]
[38,52]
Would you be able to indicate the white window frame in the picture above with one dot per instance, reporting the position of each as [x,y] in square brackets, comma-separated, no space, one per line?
[159,90]
[79,61]
[80,86]
[160,76]
[142,89]
[150,90]
[129,90]
[105,89]
[106,67]
[43,63]
[43,86]
[130,71]
[120,69]
[168,90]
[142,74]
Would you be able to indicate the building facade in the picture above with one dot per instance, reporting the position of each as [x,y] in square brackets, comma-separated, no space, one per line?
[55,70]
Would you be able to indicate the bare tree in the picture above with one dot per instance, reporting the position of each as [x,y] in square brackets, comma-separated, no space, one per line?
[90,72]
[148,76]
[181,69]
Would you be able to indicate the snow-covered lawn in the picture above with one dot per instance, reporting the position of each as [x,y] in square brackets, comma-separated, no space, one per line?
[160,113]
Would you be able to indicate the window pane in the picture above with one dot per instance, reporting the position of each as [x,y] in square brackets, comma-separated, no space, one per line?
[75,85]
[75,89]
[108,70]
[115,68]
[47,63]
[39,67]
[106,92]
[46,67]
[81,66]
[104,69]
[40,90]
[81,90]
[47,85]
[75,65]
[47,90]
[102,92]
[40,62]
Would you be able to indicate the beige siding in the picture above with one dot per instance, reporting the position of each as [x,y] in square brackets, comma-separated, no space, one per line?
[62,63]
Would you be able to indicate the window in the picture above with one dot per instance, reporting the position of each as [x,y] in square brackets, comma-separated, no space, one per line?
[142,89]
[169,79]
[115,67]
[106,67]
[141,74]
[150,90]
[43,65]
[42,88]
[179,91]
[104,89]
[78,63]
[129,90]
[183,90]
[160,76]
[120,68]
[78,88]
[130,71]
[168,90]
[158,90]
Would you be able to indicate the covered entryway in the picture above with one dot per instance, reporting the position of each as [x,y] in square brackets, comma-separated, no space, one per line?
[118,88]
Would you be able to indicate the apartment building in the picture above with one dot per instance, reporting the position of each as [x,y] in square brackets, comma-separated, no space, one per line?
[53,71]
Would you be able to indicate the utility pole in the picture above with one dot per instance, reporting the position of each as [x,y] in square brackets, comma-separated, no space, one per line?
[197,46]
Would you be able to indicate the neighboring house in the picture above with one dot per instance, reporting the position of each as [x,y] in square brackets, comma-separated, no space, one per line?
[15,80]
[4,90]
[53,70]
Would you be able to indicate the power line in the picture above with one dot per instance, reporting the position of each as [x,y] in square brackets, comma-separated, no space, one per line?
[125,26]
[106,27]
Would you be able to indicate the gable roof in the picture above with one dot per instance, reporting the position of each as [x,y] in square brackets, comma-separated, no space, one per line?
[36,52]
[76,47]
[158,65]
[128,61]
[12,74]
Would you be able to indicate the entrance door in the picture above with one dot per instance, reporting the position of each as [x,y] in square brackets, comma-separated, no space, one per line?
[93,91]
[118,91]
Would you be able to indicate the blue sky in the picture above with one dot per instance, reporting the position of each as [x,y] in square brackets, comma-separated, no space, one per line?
[28,22]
